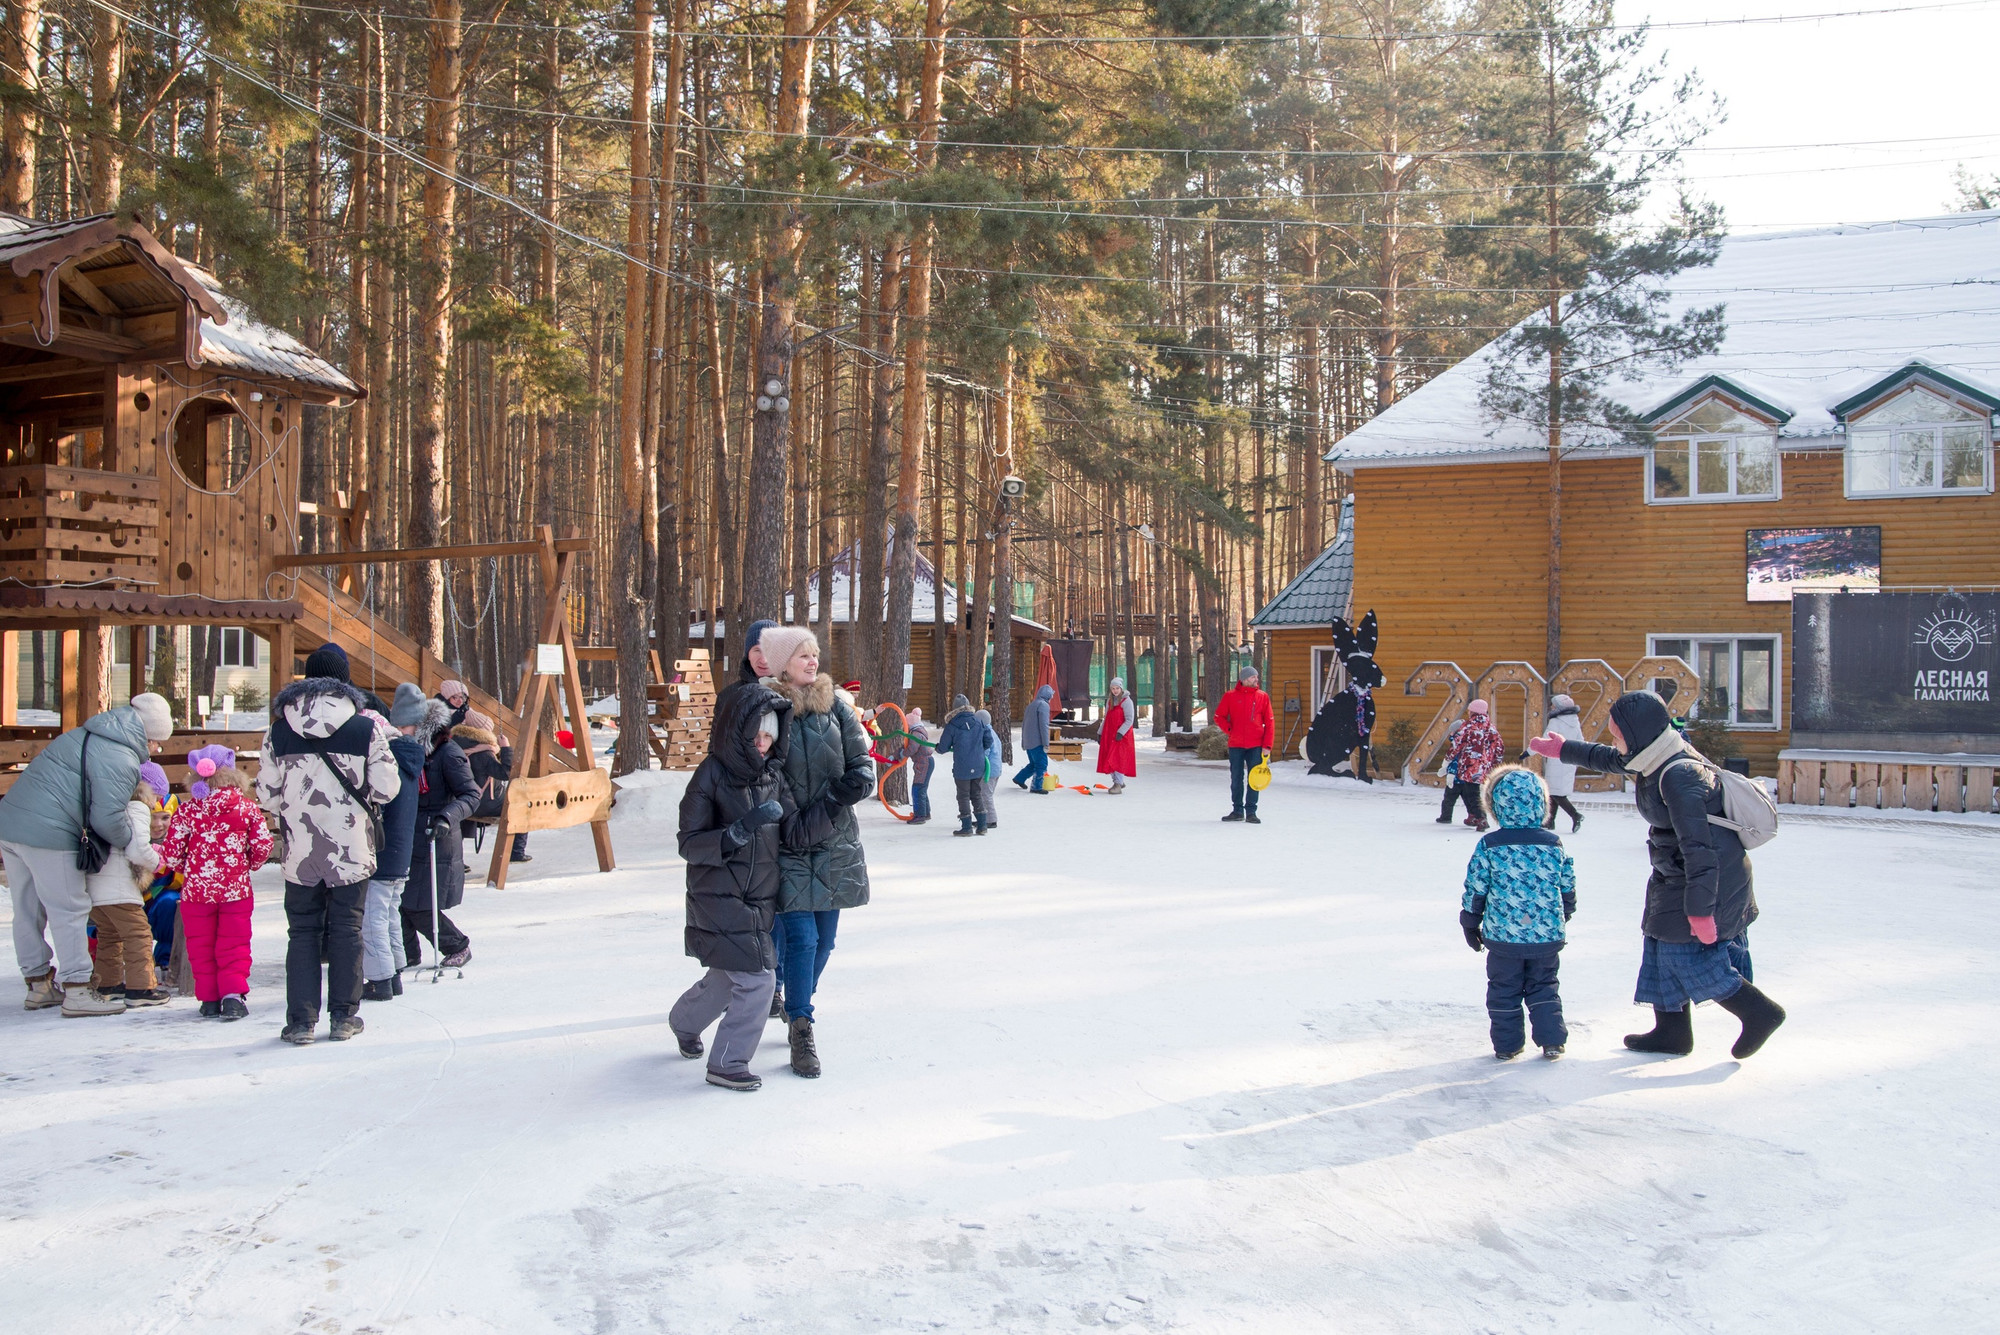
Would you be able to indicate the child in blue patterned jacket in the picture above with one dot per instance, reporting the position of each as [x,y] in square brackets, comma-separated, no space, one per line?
[1520,888]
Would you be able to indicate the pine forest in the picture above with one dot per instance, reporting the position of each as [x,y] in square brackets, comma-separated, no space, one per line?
[1068,300]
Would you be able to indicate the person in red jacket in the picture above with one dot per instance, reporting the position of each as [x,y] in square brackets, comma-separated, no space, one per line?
[1244,715]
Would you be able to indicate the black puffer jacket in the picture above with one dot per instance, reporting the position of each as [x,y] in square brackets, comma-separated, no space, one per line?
[828,770]
[732,894]
[448,791]
[1699,869]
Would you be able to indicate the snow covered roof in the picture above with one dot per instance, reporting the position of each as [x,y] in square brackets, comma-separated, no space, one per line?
[923,610]
[1322,590]
[1813,319]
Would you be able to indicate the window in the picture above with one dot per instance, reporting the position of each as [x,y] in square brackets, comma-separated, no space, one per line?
[239,648]
[1738,673]
[1329,675]
[1713,453]
[1918,442]
[212,444]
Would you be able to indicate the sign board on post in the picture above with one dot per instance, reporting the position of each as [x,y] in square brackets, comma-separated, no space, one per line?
[909,675]
[548,660]
[1902,666]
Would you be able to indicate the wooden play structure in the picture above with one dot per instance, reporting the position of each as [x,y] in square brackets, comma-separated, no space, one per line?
[678,708]
[149,477]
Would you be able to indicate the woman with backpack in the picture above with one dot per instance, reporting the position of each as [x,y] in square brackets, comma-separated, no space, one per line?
[1700,899]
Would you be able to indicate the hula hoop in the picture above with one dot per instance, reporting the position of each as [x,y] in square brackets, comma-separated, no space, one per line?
[882,783]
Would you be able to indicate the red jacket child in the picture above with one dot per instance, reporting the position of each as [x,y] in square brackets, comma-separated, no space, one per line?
[1244,714]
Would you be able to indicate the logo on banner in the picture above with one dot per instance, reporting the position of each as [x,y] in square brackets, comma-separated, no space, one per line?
[1951,634]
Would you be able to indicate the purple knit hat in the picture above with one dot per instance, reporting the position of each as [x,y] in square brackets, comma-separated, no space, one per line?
[204,761]
[155,778]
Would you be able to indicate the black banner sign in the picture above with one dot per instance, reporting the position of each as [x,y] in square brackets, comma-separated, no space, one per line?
[1896,663]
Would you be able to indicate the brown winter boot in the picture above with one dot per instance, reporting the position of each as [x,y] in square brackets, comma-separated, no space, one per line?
[43,992]
[805,1059]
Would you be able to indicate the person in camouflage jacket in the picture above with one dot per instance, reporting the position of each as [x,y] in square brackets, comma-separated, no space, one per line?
[325,763]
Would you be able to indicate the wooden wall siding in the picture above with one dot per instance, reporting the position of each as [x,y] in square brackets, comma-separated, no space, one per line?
[1291,677]
[1886,786]
[1453,561]
[223,537]
[924,668]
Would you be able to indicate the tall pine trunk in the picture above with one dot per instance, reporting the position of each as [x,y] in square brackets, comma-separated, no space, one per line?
[432,360]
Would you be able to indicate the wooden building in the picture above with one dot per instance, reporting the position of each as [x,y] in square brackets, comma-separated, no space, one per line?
[1855,393]
[934,645]
[1302,669]
[149,430]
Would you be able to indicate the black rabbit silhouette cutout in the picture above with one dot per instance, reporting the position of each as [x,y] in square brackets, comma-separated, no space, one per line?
[1347,720]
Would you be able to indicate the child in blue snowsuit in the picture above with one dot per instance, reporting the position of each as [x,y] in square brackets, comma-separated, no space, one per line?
[1520,888]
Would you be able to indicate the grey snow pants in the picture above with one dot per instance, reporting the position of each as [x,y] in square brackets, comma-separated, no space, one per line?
[743,1000]
[48,891]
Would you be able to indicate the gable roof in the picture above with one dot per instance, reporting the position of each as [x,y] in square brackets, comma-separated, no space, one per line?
[123,262]
[1812,318]
[1323,589]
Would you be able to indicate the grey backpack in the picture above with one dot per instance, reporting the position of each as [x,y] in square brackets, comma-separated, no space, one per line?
[1746,807]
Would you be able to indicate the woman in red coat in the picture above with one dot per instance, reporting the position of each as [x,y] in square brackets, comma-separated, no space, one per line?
[1117,749]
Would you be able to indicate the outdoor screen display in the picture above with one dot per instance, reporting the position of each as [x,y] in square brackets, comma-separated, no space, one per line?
[1784,561]
[1896,662]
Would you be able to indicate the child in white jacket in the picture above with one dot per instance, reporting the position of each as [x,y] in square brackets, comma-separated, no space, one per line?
[124,966]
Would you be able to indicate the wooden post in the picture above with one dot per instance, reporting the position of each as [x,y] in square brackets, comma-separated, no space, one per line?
[1786,780]
[1892,787]
[1979,788]
[10,678]
[70,677]
[93,670]
[135,670]
[282,655]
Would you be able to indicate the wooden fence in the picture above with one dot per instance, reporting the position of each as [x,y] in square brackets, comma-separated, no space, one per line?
[1887,780]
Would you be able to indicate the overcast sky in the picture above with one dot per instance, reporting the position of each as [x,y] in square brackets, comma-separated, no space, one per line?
[1924,78]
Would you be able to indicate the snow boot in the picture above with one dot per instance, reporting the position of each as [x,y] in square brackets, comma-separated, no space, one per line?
[115,991]
[1443,820]
[778,1005]
[235,1008]
[805,1057]
[147,996]
[43,992]
[1507,1056]
[1576,822]
[964,830]
[211,1010]
[690,1045]
[1233,816]
[458,959]
[378,991]
[1672,1033]
[742,1081]
[1251,819]
[1761,1017]
[1553,1052]
[82,1000]
[345,1027]
[980,829]
[396,984]
[300,1034]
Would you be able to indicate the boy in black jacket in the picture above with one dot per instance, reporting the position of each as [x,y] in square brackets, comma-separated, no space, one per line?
[736,807]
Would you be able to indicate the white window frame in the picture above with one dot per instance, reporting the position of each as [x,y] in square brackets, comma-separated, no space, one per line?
[1327,669]
[246,647]
[1984,424]
[1736,640]
[1693,446]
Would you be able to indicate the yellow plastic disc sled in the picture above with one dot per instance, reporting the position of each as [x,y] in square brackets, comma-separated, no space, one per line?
[1260,777]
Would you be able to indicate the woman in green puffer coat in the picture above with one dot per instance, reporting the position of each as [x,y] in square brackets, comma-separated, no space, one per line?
[828,767]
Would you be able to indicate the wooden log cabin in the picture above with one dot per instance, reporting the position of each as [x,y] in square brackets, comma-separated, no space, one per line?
[150,429]
[1855,393]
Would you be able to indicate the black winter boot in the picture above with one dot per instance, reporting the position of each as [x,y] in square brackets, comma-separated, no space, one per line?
[1672,1033]
[805,1057]
[1761,1017]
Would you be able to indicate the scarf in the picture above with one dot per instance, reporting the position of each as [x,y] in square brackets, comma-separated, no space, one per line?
[1658,752]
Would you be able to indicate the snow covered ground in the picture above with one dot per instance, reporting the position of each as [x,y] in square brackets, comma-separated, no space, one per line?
[1114,1064]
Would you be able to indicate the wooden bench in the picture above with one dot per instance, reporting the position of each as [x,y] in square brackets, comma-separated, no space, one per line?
[1065,748]
[1887,780]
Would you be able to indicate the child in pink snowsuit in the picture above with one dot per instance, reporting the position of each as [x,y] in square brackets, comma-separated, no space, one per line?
[214,840]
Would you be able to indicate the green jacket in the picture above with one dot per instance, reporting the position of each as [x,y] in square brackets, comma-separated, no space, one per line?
[44,808]
[827,762]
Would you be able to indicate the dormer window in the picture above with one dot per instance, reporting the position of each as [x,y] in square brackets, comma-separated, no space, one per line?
[1714,451]
[1919,442]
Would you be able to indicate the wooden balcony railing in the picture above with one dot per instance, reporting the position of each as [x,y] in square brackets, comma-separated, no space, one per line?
[78,526]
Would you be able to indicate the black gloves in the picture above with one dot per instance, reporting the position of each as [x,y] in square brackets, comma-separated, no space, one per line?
[1469,922]
[739,832]
[1569,905]
[441,828]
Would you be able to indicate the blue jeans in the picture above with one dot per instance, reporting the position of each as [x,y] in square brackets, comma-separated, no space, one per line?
[1243,759]
[160,916]
[1512,980]
[920,797]
[1032,772]
[807,941]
